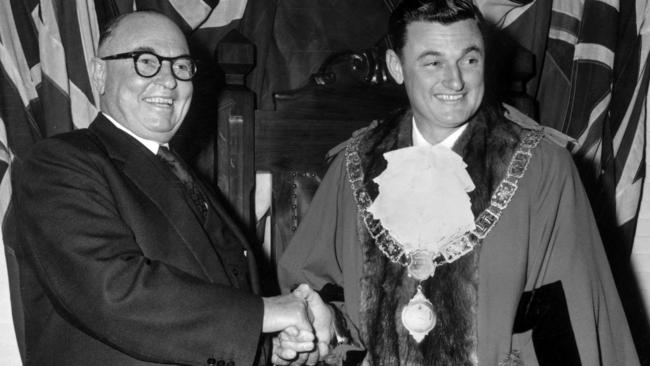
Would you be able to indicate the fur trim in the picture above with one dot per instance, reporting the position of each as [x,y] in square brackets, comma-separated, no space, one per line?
[487,146]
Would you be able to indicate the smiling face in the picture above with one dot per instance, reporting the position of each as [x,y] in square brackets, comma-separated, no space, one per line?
[152,108]
[441,66]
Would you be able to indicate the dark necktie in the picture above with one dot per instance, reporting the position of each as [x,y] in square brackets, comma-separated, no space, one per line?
[178,168]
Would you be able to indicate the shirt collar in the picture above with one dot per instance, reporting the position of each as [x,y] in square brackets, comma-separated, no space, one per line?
[149,144]
[448,142]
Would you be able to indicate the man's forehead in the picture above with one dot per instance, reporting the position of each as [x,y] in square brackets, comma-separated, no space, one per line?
[150,31]
[428,36]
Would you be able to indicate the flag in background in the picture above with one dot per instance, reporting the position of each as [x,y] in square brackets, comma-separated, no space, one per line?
[17,91]
[20,75]
[592,84]
[13,100]
[67,38]
[188,14]
[641,247]
[32,87]
[603,108]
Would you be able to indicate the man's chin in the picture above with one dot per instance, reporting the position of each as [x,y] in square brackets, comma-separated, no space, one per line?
[161,138]
[455,120]
[162,124]
[161,132]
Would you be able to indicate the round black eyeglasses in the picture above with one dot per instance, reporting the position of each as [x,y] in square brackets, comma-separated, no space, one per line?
[148,64]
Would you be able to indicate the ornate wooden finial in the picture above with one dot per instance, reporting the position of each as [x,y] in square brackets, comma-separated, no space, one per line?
[235,55]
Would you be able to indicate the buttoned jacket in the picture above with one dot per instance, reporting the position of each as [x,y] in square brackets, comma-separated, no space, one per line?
[115,267]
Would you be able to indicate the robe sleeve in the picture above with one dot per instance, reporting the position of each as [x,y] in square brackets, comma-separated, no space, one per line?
[566,247]
[326,249]
[311,256]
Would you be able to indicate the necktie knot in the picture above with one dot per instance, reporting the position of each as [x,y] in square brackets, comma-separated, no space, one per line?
[175,164]
[183,174]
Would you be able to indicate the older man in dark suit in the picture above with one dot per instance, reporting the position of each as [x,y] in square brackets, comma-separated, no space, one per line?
[126,258]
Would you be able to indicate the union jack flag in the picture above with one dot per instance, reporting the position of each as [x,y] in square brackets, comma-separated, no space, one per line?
[592,84]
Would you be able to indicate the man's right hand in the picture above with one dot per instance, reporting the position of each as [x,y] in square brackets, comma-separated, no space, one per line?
[285,344]
[302,317]
[322,320]
[288,314]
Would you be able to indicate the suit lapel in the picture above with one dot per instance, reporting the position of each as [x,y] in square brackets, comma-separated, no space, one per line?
[141,166]
[227,220]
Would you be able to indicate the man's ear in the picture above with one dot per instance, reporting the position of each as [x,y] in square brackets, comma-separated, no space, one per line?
[98,76]
[394,66]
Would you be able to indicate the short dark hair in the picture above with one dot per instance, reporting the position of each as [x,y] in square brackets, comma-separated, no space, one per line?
[441,11]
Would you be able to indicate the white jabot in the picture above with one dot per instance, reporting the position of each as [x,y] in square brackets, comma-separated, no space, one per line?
[417,219]
[149,144]
[423,196]
[448,142]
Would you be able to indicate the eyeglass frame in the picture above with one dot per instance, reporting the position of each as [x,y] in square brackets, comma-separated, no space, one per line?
[135,55]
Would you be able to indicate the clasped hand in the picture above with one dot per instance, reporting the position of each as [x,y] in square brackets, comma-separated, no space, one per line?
[296,346]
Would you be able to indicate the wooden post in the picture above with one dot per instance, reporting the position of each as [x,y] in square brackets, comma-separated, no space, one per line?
[234,152]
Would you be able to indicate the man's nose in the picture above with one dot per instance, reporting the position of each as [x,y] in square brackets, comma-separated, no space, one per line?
[453,78]
[165,76]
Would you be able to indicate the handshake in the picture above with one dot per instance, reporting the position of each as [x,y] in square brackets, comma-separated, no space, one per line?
[305,325]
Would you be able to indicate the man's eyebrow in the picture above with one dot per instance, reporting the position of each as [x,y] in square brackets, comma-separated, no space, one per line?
[151,50]
[144,49]
[429,53]
[469,49]
[473,48]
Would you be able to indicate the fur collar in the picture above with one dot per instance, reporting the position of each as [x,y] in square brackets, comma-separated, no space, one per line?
[486,146]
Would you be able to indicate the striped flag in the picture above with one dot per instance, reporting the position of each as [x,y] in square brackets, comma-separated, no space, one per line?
[45,47]
[606,93]
[67,37]
[641,247]
[592,84]
[188,14]
[15,96]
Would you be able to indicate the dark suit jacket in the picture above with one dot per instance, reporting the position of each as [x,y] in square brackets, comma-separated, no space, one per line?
[115,267]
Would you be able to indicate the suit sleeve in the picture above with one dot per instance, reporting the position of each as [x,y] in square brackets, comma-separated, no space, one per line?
[97,278]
